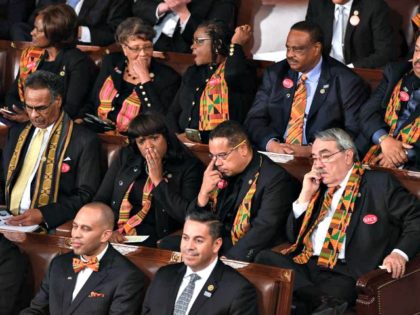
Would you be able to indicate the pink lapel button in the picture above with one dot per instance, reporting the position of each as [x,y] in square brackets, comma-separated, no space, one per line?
[287,83]
[370,219]
[65,168]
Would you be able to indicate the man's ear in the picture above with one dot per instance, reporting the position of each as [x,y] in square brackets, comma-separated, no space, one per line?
[106,235]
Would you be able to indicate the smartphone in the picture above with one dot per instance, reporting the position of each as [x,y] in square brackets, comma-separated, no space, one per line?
[6,111]
[193,135]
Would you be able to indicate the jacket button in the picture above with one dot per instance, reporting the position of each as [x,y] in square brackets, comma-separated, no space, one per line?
[113,202]
[163,210]
[135,170]
[120,182]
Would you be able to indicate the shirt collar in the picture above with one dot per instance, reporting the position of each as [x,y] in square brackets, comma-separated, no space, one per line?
[346,6]
[314,74]
[203,273]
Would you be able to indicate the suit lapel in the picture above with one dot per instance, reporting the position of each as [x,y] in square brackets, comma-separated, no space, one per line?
[86,8]
[208,289]
[173,285]
[69,283]
[94,279]
[356,6]
[328,18]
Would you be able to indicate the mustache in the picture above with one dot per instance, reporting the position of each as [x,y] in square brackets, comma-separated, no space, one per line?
[291,59]
[417,62]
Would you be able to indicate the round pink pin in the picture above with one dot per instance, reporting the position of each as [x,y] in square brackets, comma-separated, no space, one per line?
[370,219]
[287,83]
[404,97]
[65,168]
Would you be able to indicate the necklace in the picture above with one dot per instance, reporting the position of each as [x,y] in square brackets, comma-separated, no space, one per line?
[129,75]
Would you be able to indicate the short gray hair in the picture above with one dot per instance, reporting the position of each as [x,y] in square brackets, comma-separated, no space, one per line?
[341,138]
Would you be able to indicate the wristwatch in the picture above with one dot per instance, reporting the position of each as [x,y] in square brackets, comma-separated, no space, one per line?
[382,138]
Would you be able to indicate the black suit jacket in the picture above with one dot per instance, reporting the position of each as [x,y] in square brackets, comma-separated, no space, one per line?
[170,198]
[371,43]
[276,190]
[78,72]
[373,111]
[120,282]
[155,95]
[78,185]
[201,10]
[101,17]
[398,223]
[232,294]
[12,276]
[336,103]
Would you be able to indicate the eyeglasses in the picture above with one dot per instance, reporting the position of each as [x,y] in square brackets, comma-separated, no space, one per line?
[325,158]
[223,156]
[39,109]
[200,40]
[145,49]
[300,50]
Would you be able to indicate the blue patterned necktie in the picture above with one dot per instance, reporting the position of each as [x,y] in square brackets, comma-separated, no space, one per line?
[181,305]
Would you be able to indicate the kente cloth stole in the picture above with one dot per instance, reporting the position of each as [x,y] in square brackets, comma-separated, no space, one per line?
[126,225]
[416,20]
[129,109]
[337,230]
[49,169]
[409,134]
[297,114]
[29,61]
[241,224]
[214,101]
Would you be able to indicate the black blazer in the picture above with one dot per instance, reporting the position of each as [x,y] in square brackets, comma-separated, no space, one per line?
[373,111]
[120,282]
[240,76]
[77,185]
[276,190]
[398,223]
[201,10]
[336,103]
[101,17]
[232,294]
[155,95]
[371,43]
[170,198]
[12,276]
[78,72]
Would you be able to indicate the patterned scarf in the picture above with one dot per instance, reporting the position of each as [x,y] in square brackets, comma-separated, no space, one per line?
[29,62]
[409,134]
[126,225]
[416,20]
[337,230]
[49,169]
[241,224]
[214,102]
[130,106]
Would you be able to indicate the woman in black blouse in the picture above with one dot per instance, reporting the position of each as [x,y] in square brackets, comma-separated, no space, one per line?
[54,49]
[132,82]
[151,182]
[220,86]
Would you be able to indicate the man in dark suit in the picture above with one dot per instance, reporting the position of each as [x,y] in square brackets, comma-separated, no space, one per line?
[94,278]
[391,117]
[98,20]
[356,32]
[175,21]
[12,275]
[304,94]
[346,222]
[202,284]
[250,194]
[52,166]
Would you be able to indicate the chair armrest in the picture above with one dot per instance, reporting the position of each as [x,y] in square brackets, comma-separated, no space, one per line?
[280,247]
[379,293]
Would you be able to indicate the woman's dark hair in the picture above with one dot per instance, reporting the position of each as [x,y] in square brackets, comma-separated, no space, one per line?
[60,25]
[220,34]
[154,123]
[134,27]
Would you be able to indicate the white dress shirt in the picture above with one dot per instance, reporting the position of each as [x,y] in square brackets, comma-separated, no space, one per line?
[337,44]
[84,274]
[25,203]
[168,24]
[320,232]
[204,275]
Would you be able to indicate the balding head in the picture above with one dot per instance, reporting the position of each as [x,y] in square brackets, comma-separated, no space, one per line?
[92,228]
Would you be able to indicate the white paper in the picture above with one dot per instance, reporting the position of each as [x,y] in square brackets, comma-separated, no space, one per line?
[4,215]
[278,157]
[135,238]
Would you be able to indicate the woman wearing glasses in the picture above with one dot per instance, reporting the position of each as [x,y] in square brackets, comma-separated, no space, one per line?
[132,83]
[151,182]
[220,86]
[54,49]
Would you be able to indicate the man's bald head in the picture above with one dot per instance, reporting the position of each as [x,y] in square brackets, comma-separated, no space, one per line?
[102,212]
